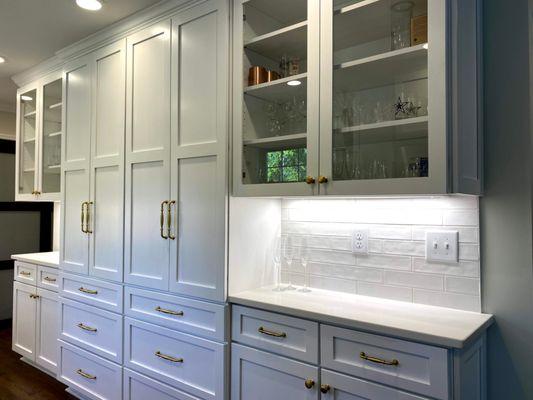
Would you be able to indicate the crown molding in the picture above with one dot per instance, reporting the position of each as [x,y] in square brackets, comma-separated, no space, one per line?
[118,30]
[5,136]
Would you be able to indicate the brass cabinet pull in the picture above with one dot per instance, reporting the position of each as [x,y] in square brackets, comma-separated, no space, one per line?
[83,219]
[271,333]
[322,179]
[88,291]
[88,217]
[34,296]
[85,374]
[47,278]
[169,220]
[87,328]
[171,312]
[309,383]
[310,180]
[168,358]
[25,273]
[376,360]
[162,219]
[325,388]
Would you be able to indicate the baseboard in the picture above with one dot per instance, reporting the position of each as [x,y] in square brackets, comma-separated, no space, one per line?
[76,394]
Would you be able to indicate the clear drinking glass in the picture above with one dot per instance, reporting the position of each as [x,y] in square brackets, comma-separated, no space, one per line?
[276,258]
[401,13]
[288,255]
[304,260]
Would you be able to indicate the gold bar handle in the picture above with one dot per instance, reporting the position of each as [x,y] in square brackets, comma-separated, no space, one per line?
[83,219]
[88,217]
[168,358]
[376,360]
[87,328]
[24,273]
[162,219]
[85,374]
[169,221]
[271,333]
[48,279]
[171,312]
[88,291]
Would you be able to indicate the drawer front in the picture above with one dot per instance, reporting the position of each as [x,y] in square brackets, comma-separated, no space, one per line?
[88,374]
[292,337]
[96,330]
[258,375]
[25,273]
[140,387]
[92,291]
[190,316]
[349,388]
[47,278]
[186,362]
[406,365]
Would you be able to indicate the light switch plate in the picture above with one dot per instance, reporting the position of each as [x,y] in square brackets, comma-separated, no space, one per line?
[442,246]
[360,241]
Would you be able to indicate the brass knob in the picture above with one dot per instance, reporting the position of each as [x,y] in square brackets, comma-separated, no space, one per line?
[309,383]
[324,388]
[309,180]
[322,179]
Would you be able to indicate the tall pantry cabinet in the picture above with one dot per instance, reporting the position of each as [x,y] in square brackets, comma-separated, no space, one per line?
[145,191]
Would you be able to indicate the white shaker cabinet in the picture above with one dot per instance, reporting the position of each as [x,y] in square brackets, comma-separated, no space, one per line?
[93,183]
[24,319]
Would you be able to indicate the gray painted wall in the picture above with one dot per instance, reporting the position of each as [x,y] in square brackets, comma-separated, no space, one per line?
[506,218]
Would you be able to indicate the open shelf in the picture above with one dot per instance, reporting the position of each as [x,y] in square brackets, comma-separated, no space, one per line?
[278,90]
[278,142]
[291,41]
[385,124]
[381,70]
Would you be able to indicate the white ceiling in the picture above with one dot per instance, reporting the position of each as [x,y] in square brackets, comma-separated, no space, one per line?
[33,30]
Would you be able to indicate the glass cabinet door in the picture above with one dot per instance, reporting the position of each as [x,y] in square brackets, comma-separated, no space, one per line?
[376,126]
[51,137]
[27,142]
[279,81]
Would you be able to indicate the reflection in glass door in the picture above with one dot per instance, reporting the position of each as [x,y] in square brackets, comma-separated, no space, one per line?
[27,142]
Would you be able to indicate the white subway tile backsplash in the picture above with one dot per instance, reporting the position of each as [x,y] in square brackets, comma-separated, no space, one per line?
[395,267]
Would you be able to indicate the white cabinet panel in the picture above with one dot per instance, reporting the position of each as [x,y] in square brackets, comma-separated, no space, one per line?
[25,273]
[47,278]
[140,387]
[257,375]
[24,313]
[47,329]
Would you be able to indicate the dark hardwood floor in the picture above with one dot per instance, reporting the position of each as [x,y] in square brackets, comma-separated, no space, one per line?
[19,381]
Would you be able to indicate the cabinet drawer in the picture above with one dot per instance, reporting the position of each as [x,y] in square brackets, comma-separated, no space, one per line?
[91,291]
[88,374]
[191,316]
[26,273]
[256,374]
[93,329]
[292,337]
[47,278]
[181,360]
[140,387]
[415,367]
[349,388]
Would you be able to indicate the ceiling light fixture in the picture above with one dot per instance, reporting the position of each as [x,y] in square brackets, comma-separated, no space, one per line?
[26,98]
[91,5]
[294,83]
[2,60]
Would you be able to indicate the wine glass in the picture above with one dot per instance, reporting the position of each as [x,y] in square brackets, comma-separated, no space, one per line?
[276,258]
[288,255]
[304,260]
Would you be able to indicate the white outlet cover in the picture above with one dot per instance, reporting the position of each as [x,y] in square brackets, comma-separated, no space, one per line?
[442,246]
[360,241]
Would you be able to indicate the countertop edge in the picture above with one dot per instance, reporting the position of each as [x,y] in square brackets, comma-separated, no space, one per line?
[406,334]
[35,259]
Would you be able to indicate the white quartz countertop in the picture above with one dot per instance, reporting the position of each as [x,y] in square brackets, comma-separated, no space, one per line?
[434,325]
[49,259]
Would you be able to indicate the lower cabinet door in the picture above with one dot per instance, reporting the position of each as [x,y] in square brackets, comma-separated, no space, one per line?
[24,317]
[336,386]
[140,387]
[258,375]
[47,329]
[90,375]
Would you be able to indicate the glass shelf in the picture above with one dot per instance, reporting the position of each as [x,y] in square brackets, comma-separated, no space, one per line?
[52,129]
[27,154]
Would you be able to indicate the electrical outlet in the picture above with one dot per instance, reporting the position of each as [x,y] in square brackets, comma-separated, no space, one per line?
[442,246]
[360,241]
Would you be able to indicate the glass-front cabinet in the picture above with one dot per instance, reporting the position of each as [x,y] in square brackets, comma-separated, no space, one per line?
[39,129]
[385,100]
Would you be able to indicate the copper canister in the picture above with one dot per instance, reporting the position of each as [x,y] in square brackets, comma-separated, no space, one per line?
[272,76]
[257,75]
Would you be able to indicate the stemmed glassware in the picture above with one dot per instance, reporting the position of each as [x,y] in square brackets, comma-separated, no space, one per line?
[288,255]
[304,260]
[276,258]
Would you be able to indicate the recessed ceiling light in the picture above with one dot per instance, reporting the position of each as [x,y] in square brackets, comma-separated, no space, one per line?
[2,60]
[26,98]
[92,5]
[294,83]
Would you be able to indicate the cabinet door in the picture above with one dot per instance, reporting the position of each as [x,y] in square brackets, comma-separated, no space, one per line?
[47,329]
[276,113]
[342,387]
[74,249]
[199,142]
[257,375]
[24,317]
[107,163]
[383,97]
[147,156]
